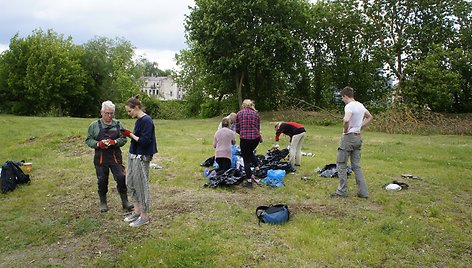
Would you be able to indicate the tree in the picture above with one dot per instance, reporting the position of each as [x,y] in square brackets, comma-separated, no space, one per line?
[433,82]
[111,67]
[43,73]
[251,43]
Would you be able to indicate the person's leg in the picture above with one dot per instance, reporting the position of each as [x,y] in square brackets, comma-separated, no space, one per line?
[130,184]
[292,152]
[357,169]
[297,141]
[141,174]
[119,176]
[246,154]
[254,160]
[341,165]
[102,182]
[223,164]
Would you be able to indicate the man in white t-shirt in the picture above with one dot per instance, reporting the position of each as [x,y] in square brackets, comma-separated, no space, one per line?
[355,117]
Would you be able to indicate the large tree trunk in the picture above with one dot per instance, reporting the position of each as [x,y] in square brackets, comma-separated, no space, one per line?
[239,78]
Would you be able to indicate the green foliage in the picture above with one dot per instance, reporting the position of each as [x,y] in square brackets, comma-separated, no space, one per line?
[168,110]
[210,108]
[433,82]
[244,54]
[43,74]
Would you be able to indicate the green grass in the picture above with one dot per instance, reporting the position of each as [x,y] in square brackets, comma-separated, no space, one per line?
[55,220]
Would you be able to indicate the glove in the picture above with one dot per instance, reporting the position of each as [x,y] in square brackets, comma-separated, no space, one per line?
[111,142]
[101,145]
[126,133]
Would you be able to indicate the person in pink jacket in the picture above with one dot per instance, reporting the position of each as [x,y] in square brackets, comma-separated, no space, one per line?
[223,140]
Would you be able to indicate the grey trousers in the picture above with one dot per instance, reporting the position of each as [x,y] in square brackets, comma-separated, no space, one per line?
[350,148]
[137,180]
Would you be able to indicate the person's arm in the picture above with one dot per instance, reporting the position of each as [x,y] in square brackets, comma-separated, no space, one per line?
[346,119]
[122,139]
[91,134]
[215,140]
[367,118]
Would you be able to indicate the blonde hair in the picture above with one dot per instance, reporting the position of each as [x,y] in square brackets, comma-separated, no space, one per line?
[248,103]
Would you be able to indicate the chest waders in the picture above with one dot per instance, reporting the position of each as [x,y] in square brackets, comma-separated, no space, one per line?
[108,159]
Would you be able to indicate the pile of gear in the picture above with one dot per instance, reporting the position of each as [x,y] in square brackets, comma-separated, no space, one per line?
[272,160]
[331,171]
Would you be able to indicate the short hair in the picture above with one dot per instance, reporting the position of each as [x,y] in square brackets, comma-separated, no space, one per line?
[225,122]
[108,104]
[248,103]
[134,102]
[347,91]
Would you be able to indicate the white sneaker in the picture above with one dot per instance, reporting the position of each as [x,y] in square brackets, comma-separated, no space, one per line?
[132,217]
[139,222]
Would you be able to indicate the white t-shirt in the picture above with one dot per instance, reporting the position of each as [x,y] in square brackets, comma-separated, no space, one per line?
[358,111]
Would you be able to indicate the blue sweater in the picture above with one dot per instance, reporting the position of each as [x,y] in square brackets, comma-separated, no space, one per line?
[146,144]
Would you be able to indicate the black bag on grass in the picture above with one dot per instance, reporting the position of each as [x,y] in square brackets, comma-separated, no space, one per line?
[12,175]
[273,214]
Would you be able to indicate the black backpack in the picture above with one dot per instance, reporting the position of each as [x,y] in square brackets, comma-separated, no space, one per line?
[12,175]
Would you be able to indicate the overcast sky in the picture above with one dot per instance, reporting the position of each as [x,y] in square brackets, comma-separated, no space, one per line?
[154,27]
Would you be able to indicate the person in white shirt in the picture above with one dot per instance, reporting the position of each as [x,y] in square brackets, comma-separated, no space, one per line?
[355,117]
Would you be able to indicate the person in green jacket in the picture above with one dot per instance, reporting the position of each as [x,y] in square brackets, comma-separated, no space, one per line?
[104,136]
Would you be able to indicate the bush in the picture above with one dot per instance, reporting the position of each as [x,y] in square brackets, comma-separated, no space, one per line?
[407,120]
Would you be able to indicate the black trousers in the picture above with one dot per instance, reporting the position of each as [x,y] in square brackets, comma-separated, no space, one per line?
[103,172]
[223,164]
[249,158]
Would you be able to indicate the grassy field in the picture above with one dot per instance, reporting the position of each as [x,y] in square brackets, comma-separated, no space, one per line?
[55,220]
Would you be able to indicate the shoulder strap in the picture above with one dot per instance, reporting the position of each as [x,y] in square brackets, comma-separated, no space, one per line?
[259,211]
[99,124]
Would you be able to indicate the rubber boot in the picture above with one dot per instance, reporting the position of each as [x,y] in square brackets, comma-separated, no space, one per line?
[124,202]
[103,203]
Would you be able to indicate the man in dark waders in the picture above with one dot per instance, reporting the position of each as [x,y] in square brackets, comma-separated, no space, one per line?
[104,136]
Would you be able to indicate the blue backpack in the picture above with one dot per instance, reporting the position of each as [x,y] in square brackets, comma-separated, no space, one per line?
[273,214]
[12,175]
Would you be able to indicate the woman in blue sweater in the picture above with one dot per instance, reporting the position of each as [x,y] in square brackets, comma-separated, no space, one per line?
[142,148]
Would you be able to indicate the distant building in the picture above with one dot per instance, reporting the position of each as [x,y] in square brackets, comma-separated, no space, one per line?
[162,88]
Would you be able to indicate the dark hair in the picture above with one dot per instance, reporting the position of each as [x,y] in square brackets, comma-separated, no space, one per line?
[225,122]
[134,102]
[348,92]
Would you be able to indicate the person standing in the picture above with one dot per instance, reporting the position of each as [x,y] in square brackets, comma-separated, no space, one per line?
[222,142]
[248,128]
[355,117]
[142,148]
[296,132]
[104,136]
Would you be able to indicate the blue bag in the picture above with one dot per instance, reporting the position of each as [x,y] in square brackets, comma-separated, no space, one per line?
[273,214]
[274,177]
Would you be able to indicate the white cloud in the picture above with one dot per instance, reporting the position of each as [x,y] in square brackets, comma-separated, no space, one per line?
[153,26]
[164,58]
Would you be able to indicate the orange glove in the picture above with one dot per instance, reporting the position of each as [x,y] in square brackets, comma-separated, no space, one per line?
[101,145]
[126,133]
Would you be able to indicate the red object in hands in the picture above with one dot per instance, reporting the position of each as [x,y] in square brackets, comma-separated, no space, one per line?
[111,142]
[126,133]
[101,145]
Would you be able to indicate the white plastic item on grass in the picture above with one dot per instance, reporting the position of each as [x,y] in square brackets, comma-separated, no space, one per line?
[393,187]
